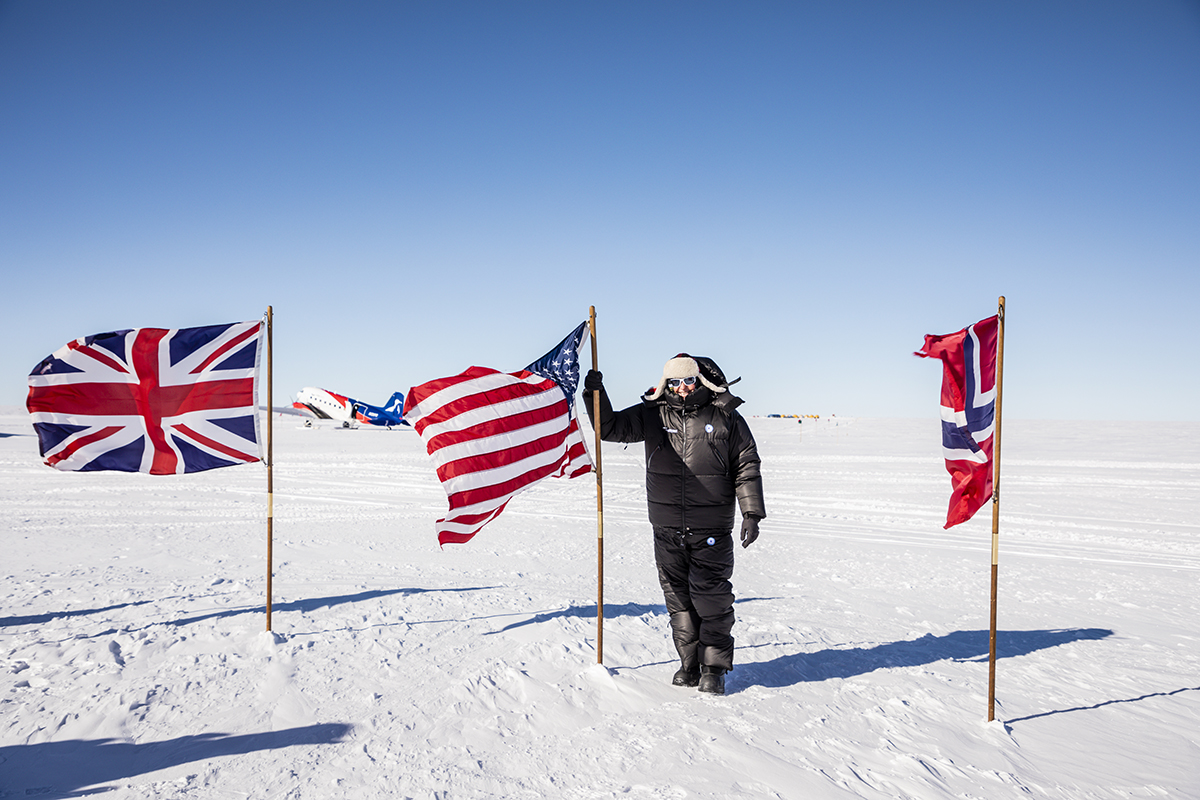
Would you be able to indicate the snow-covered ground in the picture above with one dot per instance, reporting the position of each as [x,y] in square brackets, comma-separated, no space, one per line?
[134,660]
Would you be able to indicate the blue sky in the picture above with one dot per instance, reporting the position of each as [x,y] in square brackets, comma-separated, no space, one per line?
[799,190]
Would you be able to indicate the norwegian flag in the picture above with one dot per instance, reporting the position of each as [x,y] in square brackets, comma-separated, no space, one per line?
[150,400]
[493,434]
[968,412]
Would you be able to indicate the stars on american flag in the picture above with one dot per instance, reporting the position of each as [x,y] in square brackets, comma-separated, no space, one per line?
[561,364]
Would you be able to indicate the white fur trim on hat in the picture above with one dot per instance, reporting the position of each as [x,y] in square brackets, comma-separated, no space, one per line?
[681,367]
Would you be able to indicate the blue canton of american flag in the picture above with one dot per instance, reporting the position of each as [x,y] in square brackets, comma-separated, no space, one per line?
[150,400]
[493,434]
[561,364]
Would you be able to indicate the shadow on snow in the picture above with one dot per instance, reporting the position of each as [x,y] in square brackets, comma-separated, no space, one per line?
[849,662]
[315,603]
[1008,723]
[66,769]
[303,606]
[41,619]
[587,612]
[611,611]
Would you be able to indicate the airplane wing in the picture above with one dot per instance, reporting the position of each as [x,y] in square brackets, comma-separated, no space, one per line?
[293,410]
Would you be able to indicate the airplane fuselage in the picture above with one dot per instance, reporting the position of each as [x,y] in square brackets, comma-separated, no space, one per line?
[323,404]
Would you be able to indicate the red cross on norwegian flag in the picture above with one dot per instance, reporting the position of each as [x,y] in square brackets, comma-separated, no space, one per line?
[150,400]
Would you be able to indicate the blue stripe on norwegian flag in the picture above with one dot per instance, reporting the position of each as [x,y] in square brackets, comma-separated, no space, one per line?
[968,408]
[964,428]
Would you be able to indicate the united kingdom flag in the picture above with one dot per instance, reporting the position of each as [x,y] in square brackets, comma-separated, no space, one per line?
[968,412]
[150,400]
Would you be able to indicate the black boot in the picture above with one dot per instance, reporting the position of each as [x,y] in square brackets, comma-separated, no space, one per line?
[684,627]
[712,680]
[686,676]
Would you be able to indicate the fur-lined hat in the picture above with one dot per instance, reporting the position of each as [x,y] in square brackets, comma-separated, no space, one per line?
[682,366]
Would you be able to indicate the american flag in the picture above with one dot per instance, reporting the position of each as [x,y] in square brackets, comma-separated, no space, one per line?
[150,400]
[968,412]
[493,434]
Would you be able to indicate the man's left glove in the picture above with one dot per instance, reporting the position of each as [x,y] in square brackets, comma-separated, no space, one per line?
[749,530]
[593,381]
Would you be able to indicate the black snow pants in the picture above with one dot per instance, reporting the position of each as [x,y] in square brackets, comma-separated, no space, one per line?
[694,570]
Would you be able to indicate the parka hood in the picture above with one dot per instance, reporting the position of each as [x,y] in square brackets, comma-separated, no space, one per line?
[704,369]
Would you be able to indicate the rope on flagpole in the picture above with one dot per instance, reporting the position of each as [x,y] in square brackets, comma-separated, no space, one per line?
[599,502]
[996,512]
[270,457]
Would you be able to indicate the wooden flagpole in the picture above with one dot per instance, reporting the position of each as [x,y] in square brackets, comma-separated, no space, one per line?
[270,456]
[996,511]
[599,503]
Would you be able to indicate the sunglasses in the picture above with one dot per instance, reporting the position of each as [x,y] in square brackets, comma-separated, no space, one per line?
[674,382]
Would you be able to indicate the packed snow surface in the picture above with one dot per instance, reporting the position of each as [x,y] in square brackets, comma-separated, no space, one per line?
[135,660]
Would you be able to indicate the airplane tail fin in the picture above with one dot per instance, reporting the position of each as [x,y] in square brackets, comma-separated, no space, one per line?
[395,408]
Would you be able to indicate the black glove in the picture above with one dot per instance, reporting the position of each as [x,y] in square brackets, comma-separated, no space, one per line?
[593,381]
[749,530]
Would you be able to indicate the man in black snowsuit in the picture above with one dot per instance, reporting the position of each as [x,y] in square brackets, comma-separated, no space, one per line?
[701,460]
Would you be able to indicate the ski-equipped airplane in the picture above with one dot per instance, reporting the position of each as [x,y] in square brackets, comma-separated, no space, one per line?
[321,404]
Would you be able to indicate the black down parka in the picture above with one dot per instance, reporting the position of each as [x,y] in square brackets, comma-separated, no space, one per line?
[700,457]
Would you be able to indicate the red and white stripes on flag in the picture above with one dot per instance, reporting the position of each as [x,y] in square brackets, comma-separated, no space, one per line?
[492,435]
